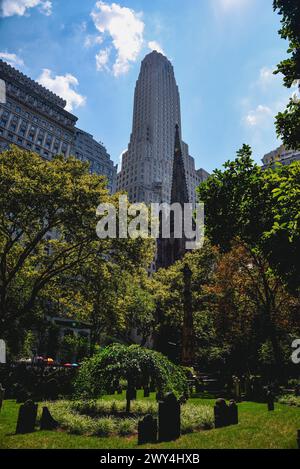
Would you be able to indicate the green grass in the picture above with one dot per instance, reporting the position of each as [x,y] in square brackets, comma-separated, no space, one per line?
[258,428]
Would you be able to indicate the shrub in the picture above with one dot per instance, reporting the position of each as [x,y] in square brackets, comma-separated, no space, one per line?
[196,417]
[289,399]
[127,427]
[136,365]
[93,417]
[105,426]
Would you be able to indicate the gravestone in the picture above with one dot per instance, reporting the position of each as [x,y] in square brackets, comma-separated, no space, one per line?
[27,417]
[270,401]
[52,389]
[2,351]
[146,391]
[237,388]
[169,418]
[2,391]
[147,430]
[233,417]
[221,413]
[47,421]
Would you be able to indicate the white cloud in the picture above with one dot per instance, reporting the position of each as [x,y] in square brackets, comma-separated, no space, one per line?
[92,40]
[258,116]
[20,7]
[11,59]
[266,77]
[63,86]
[102,59]
[154,45]
[125,28]
[228,5]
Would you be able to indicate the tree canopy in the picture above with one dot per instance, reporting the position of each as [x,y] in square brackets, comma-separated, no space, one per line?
[48,237]
[263,209]
[288,122]
[137,365]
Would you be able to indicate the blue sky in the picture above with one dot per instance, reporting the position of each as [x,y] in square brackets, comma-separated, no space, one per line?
[223,52]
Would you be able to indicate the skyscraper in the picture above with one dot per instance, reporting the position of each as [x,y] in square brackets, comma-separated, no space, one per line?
[146,172]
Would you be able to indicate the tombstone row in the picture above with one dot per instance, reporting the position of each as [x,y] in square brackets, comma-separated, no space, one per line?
[225,415]
[168,425]
[27,418]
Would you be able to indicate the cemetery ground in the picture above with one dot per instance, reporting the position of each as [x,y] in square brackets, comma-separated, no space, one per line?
[258,429]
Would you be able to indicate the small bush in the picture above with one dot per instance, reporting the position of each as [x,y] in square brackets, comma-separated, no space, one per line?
[127,427]
[196,417]
[105,426]
[96,417]
[290,400]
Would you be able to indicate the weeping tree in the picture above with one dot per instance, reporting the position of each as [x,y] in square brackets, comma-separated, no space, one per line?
[135,364]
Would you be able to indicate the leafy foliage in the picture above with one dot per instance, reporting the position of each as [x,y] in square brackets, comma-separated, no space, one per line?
[263,209]
[288,122]
[135,364]
[105,418]
[48,242]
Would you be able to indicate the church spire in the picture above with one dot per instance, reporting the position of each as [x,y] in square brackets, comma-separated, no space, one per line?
[179,192]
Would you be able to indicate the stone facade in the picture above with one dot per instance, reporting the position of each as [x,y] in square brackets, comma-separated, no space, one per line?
[146,170]
[88,149]
[33,117]
[280,155]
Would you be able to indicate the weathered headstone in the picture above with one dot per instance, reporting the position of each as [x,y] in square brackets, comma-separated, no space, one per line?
[2,391]
[2,351]
[47,421]
[27,417]
[221,413]
[237,388]
[147,430]
[169,418]
[233,416]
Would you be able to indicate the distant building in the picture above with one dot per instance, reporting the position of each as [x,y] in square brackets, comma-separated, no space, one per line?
[33,117]
[88,149]
[280,155]
[146,170]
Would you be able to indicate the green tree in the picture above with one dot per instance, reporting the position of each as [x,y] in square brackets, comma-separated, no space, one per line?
[134,364]
[47,231]
[260,208]
[167,289]
[288,122]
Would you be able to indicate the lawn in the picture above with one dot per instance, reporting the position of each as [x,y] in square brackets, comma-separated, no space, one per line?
[258,428]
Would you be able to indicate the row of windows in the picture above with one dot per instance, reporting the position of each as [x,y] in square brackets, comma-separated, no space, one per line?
[32,133]
[39,105]
[24,143]
[36,120]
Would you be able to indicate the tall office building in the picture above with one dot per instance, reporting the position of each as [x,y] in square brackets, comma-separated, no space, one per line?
[146,171]
[88,149]
[34,118]
[280,155]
